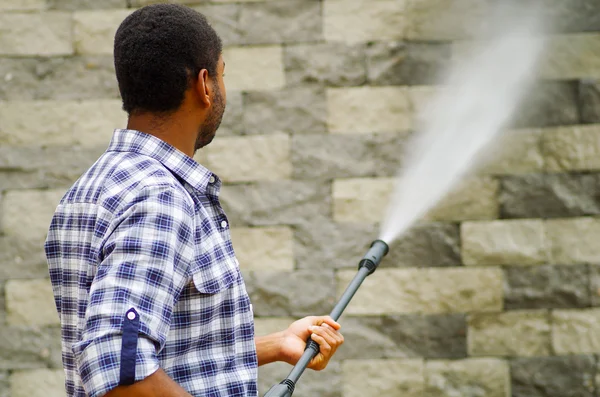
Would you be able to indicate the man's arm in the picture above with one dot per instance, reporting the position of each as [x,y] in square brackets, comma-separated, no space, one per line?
[156,385]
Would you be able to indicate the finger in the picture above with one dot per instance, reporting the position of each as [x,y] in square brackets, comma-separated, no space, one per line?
[327,320]
[324,346]
[328,333]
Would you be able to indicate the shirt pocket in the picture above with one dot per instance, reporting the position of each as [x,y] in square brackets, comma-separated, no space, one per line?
[215,277]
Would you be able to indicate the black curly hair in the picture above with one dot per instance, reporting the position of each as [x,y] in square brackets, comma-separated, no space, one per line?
[159,49]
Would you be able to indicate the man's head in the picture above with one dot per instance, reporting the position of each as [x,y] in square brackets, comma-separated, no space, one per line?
[168,61]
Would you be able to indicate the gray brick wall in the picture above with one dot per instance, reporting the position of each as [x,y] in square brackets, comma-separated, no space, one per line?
[495,293]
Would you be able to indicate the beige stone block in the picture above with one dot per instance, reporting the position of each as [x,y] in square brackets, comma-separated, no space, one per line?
[30,302]
[572,148]
[421,100]
[22,5]
[88,123]
[356,21]
[361,199]
[430,290]
[444,20]
[576,331]
[26,214]
[249,158]
[254,68]
[571,56]
[269,325]
[94,31]
[513,152]
[489,377]
[44,34]
[383,378]
[368,109]
[513,242]
[264,248]
[516,333]
[38,383]
[573,241]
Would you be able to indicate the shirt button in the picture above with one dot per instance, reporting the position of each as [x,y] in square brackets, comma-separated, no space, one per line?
[212,179]
[131,315]
[224,224]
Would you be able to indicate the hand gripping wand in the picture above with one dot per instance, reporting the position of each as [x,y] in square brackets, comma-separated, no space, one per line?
[366,266]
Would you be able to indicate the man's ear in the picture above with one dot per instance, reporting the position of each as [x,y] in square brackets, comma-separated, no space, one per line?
[204,88]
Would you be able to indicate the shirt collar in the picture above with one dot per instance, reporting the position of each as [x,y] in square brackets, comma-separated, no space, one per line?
[178,162]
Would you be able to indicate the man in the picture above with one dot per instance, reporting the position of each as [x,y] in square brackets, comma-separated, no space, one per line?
[146,283]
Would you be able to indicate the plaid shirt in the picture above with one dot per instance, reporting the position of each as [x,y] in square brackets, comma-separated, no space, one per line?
[141,242]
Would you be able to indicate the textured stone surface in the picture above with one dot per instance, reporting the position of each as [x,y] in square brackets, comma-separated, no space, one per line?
[276,203]
[594,274]
[38,383]
[2,304]
[60,123]
[573,148]
[550,103]
[576,331]
[550,196]
[443,290]
[22,220]
[327,156]
[4,385]
[546,287]
[331,64]
[573,241]
[30,302]
[269,325]
[326,383]
[29,347]
[355,21]
[571,57]
[301,293]
[61,78]
[287,21]
[245,159]
[254,68]
[514,152]
[433,336]
[269,248]
[232,123]
[331,245]
[468,378]
[589,100]
[94,31]
[22,5]
[224,19]
[383,378]
[73,5]
[553,376]
[572,16]
[518,333]
[21,258]
[44,34]
[443,20]
[286,111]
[515,242]
[368,109]
[401,63]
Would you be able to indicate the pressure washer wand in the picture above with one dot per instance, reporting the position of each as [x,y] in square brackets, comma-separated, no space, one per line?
[366,266]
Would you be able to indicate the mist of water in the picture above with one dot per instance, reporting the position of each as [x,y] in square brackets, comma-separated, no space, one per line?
[478,99]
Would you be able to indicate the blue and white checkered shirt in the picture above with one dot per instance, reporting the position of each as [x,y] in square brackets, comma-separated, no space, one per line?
[144,276]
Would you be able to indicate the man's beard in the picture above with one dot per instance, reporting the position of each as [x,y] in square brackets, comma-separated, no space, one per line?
[208,129]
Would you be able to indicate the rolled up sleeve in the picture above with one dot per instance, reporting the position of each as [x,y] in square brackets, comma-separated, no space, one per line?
[143,266]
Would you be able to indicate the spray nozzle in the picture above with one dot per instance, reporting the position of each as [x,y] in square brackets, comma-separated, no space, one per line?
[374,255]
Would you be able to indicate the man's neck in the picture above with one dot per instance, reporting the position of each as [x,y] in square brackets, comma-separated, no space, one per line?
[165,129]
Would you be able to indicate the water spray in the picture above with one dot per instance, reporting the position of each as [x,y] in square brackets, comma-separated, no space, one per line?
[367,266]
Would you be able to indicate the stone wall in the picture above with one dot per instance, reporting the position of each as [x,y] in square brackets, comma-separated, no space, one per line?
[495,294]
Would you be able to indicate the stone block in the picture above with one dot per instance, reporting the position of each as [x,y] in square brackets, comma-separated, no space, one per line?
[356,21]
[276,203]
[73,5]
[429,20]
[572,57]
[328,156]
[406,63]
[2,304]
[576,331]
[594,275]
[513,152]
[4,385]
[383,378]
[38,383]
[428,291]
[26,214]
[300,293]
[368,109]
[401,336]
[254,68]
[550,196]
[88,123]
[288,111]
[288,21]
[233,118]
[269,248]
[571,16]
[546,287]
[29,348]
[548,103]
[270,325]
[572,148]
[326,383]
[248,158]
[514,242]
[518,333]
[22,258]
[573,241]
[329,64]
[94,31]
[23,5]
[553,376]
[224,18]
[63,78]
[589,100]
[321,245]
[30,302]
[42,34]
[468,378]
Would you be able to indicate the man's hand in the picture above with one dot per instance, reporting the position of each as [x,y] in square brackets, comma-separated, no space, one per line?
[322,330]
